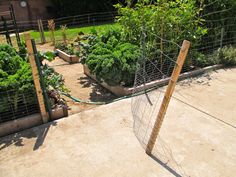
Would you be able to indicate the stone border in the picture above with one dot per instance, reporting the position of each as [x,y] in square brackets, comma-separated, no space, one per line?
[68,58]
[124,91]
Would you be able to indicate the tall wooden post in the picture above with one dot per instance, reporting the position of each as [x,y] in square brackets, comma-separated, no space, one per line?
[222,38]
[41,31]
[166,100]
[35,74]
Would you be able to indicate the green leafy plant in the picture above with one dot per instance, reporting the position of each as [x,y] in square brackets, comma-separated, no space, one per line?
[16,77]
[111,59]
[201,60]
[150,22]
[69,49]
[227,56]
[53,80]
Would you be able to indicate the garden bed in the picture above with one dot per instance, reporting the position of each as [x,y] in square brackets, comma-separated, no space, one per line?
[30,121]
[59,112]
[123,91]
[66,57]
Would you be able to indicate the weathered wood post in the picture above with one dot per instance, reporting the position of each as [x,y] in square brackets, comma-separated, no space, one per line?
[51,27]
[35,74]
[41,31]
[166,100]
[222,37]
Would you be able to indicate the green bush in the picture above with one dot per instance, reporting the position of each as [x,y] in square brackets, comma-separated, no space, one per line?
[227,56]
[150,21]
[111,59]
[201,60]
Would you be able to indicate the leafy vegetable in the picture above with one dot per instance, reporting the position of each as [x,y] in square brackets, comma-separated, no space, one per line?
[111,59]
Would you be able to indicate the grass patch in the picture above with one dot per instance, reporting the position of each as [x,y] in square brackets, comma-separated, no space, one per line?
[71,33]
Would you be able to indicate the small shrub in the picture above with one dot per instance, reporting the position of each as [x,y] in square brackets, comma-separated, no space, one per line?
[227,56]
[63,32]
[201,60]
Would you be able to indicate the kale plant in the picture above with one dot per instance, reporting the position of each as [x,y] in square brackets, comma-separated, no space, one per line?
[111,59]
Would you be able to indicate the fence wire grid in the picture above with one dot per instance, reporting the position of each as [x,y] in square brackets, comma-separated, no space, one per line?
[18,96]
[15,104]
[145,107]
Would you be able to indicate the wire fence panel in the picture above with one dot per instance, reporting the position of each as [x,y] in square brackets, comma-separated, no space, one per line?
[15,104]
[72,21]
[17,91]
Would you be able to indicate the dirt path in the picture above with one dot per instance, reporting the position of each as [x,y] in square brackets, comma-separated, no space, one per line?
[80,86]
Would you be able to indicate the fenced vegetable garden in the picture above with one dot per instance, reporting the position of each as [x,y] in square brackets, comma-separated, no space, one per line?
[27,86]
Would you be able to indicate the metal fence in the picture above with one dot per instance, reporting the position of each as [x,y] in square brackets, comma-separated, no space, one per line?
[15,104]
[71,21]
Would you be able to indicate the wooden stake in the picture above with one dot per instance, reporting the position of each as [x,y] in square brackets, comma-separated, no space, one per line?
[166,100]
[41,31]
[35,74]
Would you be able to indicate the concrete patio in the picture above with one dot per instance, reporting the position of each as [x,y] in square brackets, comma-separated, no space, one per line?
[100,142]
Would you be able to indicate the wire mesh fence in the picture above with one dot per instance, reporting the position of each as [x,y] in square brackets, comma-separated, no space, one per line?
[18,96]
[15,104]
[90,19]
[207,50]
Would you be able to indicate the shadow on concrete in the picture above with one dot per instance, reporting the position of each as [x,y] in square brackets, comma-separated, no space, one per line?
[16,139]
[41,135]
[172,171]
[98,94]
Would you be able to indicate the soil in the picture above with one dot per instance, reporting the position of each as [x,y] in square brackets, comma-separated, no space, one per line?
[80,86]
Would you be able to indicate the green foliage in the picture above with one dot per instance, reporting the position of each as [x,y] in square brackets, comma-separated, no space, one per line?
[50,56]
[69,49]
[16,77]
[150,21]
[218,15]
[111,59]
[22,50]
[227,56]
[53,80]
[201,60]
[15,72]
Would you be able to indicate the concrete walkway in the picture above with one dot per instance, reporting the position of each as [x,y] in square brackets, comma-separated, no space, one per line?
[100,142]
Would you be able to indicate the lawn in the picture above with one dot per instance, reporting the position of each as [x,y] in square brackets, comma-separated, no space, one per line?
[72,32]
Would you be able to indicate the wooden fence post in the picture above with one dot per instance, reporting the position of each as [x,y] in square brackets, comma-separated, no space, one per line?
[222,38]
[35,74]
[166,100]
[41,31]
